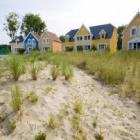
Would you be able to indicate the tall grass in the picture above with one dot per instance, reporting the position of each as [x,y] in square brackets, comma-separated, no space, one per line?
[16,66]
[55,70]
[16,98]
[35,68]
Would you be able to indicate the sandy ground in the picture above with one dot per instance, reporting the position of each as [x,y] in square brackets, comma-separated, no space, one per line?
[117,118]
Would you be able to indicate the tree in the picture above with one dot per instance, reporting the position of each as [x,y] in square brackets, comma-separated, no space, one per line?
[120,30]
[12,25]
[62,38]
[32,22]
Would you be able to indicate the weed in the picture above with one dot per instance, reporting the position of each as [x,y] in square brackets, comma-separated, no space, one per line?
[53,122]
[16,98]
[32,97]
[76,120]
[78,106]
[40,136]
[54,72]
[11,126]
[35,68]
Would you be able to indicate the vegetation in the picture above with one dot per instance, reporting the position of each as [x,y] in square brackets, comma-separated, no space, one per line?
[12,25]
[67,71]
[78,106]
[54,72]
[53,122]
[40,136]
[76,120]
[32,22]
[32,97]
[99,136]
[16,98]
[35,68]
[11,126]
[16,66]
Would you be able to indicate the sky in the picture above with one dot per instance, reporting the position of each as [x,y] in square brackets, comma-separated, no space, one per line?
[61,16]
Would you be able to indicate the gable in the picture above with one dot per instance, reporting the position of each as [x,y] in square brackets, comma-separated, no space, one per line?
[30,36]
[83,31]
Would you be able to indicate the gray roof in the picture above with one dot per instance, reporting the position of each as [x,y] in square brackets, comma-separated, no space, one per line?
[19,39]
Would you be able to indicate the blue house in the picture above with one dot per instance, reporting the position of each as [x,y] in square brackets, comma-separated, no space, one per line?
[31,42]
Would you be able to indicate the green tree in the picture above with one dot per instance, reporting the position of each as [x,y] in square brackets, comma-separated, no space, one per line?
[62,38]
[120,30]
[32,22]
[12,25]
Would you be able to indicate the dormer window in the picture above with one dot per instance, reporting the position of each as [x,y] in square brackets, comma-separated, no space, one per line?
[102,34]
[133,32]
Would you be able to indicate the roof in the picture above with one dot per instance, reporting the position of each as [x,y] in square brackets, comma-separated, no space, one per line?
[18,39]
[95,30]
[53,36]
[36,35]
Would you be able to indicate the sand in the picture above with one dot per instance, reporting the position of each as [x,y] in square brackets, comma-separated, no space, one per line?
[117,118]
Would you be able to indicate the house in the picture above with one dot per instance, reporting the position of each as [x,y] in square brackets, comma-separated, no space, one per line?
[17,44]
[131,34]
[31,42]
[44,42]
[50,42]
[99,37]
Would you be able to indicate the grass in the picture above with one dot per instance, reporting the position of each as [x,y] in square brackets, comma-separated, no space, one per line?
[16,66]
[53,121]
[54,72]
[98,136]
[76,121]
[11,126]
[32,97]
[35,68]
[78,106]
[67,71]
[16,98]
[40,136]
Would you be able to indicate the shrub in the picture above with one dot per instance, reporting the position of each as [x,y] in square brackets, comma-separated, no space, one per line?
[21,51]
[94,48]
[76,121]
[40,136]
[16,67]
[53,122]
[54,72]
[78,106]
[11,126]
[99,136]
[32,97]
[67,71]
[35,68]
[16,98]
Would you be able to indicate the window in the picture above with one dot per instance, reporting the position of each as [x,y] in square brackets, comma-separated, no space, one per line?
[89,37]
[77,38]
[133,31]
[102,34]
[33,42]
[81,37]
[85,37]
[29,42]
[139,31]
[102,46]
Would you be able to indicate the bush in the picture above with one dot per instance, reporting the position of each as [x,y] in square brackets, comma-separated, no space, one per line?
[11,126]
[53,122]
[35,68]
[16,67]
[99,136]
[32,97]
[21,51]
[78,106]
[40,136]
[16,98]
[54,72]
[67,71]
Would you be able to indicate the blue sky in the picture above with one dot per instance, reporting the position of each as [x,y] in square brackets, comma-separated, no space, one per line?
[63,15]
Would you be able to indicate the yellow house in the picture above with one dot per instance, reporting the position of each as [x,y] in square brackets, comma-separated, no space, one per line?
[131,34]
[99,37]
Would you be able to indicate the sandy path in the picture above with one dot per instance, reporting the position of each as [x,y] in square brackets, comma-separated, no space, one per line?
[117,119]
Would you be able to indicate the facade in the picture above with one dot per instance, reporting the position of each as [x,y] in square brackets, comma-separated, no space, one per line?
[45,42]
[17,44]
[31,42]
[50,42]
[131,34]
[99,37]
